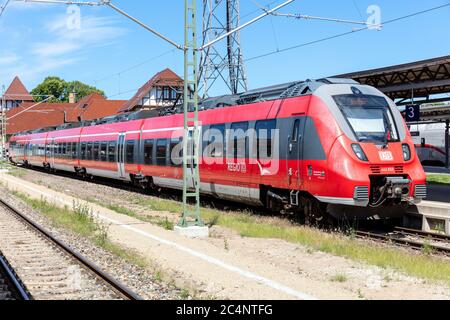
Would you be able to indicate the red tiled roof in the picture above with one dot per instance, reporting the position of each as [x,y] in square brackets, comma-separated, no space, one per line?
[17,91]
[164,78]
[102,108]
[88,99]
[92,107]
[40,116]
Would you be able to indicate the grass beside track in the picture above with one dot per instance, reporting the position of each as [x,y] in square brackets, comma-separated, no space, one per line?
[81,221]
[421,265]
[438,178]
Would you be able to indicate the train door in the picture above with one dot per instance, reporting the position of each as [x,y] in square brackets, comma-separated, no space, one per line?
[121,155]
[295,154]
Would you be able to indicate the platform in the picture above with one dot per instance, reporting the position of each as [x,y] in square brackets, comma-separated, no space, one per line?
[429,216]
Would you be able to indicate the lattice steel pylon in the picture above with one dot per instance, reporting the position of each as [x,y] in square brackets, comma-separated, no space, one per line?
[191,138]
[222,62]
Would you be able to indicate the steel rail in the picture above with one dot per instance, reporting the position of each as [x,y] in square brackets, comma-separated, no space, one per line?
[423,234]
[403,241]
[91,266]
[13,279]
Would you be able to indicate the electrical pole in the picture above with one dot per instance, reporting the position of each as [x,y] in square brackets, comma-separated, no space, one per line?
[191,139]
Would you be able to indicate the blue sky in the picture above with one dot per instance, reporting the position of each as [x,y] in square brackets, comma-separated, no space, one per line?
[35,42]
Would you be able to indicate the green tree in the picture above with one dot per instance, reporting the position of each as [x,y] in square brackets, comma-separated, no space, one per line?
[60,89]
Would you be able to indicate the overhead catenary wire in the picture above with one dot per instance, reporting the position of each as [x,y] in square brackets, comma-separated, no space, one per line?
[3,8]
[344,33]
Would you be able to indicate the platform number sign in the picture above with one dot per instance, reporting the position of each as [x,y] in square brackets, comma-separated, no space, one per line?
[412,113]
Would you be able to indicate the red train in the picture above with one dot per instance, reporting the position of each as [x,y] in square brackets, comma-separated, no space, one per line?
[329,146]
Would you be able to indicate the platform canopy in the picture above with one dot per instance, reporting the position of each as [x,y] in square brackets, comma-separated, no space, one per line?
[428,81]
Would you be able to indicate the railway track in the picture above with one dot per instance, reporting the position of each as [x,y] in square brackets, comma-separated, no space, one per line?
[415,239]
[49,269]
[11,287]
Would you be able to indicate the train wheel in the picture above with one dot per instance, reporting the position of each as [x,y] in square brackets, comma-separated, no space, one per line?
[315,214]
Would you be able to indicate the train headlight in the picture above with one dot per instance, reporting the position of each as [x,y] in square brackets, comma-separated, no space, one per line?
[406,152]
[359,152]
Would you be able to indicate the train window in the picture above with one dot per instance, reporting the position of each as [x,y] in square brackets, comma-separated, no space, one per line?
[130,151]
[69,150]
[148,151]
[112,151]
[96,151]
[216,136]
[237,140]
[176,157]
[264,132]
[83,150]
[103,150]
[161,152]
[89,150]
[74,150]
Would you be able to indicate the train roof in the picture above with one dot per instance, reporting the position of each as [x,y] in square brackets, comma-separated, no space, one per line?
[280,91]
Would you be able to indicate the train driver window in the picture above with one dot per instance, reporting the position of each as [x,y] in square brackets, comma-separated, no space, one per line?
[112,151]
[103,149]
[161,152]
[148,151]
[130,151]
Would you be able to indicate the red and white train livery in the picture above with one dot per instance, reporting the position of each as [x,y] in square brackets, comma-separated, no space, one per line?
[336,145]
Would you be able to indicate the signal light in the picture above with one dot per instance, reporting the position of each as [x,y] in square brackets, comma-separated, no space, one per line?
[406,152]
[359,152]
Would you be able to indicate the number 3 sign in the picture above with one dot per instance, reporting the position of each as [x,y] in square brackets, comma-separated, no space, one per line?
[412,113]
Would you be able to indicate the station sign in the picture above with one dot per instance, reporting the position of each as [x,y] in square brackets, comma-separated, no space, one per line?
[412,113]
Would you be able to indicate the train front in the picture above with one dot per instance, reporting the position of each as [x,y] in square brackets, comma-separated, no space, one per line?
[372,162]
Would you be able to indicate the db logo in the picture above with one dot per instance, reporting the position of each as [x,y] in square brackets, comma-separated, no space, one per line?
[386,156]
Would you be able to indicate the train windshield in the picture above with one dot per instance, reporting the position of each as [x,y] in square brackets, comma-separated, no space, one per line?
[369,117]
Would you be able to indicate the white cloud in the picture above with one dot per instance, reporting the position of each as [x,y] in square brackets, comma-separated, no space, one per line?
[7,58]
[65,48]
[94,32]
